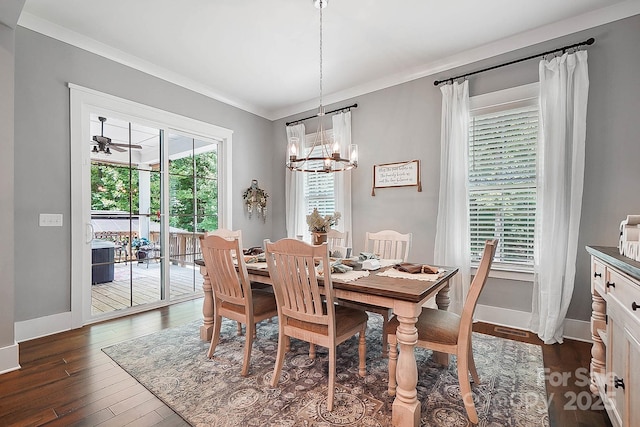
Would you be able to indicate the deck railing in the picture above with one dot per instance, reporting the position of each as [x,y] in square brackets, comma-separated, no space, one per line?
[122,240]
[184,248]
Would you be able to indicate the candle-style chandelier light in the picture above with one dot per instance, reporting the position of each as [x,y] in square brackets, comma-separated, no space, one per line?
[325,154]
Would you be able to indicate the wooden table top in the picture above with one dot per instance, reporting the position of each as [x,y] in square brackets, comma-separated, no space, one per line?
[396,288]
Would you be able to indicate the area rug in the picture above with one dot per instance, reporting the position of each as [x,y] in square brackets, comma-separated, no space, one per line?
[172,364]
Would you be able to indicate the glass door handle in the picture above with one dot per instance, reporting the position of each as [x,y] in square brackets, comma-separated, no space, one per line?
[89,234]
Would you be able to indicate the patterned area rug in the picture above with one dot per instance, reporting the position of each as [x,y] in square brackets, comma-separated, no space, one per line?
[173,365]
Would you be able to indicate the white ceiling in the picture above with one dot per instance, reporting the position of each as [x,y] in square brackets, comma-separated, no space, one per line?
[263,56]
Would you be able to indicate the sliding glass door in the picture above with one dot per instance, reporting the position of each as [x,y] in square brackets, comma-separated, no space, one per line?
[137,259]
[126,261]
[145,185]
[193,206]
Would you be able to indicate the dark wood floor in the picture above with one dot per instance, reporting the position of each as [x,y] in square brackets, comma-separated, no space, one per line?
[67,380]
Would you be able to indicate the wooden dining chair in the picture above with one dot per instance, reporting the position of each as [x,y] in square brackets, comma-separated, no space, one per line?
[225,232]
[233,296]
[336,238]
[229,235]
[450,333]
[388,244]
[306,309]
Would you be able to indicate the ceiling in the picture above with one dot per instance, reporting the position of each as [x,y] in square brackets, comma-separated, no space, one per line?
[263,56]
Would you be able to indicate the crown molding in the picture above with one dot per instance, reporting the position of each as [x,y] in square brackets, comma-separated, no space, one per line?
[539,35]
[47,28]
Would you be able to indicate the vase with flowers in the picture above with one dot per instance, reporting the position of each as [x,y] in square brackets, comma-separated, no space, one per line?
[319,225]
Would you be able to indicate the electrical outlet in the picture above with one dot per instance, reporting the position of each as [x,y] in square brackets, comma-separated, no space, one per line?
[50,220]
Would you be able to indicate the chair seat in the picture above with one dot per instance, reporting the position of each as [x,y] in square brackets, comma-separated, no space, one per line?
[433,325]
[263,303]
[346,319]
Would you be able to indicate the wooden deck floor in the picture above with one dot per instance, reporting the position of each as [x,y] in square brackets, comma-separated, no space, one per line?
[144,280]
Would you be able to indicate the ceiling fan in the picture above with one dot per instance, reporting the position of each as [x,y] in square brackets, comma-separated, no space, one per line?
[103,144]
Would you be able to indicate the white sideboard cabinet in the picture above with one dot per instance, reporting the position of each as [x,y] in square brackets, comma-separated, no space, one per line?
[615,330]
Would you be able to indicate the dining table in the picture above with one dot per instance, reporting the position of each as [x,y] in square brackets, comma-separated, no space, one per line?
[405,295]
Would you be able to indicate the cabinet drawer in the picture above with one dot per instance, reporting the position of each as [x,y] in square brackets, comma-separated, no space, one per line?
[598,275]
[626,292]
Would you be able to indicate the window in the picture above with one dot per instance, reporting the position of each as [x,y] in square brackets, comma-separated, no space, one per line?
[503,136]
[319,187]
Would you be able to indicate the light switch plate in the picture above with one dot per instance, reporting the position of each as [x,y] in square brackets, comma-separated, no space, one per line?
[50,220]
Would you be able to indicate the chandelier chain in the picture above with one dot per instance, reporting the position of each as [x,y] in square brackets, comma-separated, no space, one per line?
[321,60]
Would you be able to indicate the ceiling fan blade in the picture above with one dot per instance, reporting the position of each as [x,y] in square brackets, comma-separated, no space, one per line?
[138,147]
[117,148]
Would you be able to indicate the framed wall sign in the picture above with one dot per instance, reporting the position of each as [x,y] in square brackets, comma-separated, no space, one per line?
[401,174]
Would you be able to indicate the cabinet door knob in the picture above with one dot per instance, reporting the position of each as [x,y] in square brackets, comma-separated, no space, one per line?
[597,274]
[634,306]
[618,382]
[611,284]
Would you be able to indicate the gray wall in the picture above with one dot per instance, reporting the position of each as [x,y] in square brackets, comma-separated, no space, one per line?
[403,123]
[6,186]
[44,66]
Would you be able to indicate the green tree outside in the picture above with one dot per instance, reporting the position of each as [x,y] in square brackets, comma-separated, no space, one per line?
[193,203]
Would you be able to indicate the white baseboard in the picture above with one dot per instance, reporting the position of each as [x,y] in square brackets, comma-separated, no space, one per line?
[579,330]
[9,358]
[573,329]
[42,326]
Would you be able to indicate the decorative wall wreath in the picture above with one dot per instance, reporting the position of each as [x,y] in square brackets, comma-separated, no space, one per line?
[255,200]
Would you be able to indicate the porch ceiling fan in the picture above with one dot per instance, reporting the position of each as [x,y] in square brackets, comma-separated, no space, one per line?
[103,144]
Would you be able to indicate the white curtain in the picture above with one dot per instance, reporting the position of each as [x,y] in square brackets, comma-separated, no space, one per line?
[564,87]
[295,221]
[342,134]
[452,245]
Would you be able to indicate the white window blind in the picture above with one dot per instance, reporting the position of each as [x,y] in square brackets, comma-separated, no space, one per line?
[502,181]
[319,187]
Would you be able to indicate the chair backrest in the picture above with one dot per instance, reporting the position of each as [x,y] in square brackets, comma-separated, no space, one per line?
[388,244]
[337,238]
[477,284]
[292,268]
[228,284]
[225,232]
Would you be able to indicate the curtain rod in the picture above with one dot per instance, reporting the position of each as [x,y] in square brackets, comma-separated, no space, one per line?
[563,49]
[295,122]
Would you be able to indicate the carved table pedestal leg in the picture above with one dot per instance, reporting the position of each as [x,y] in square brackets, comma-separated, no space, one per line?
[206,330]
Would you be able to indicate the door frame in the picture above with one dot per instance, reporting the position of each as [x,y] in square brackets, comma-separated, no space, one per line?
[84,102]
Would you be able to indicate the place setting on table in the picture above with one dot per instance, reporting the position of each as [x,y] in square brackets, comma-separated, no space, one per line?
[348,269]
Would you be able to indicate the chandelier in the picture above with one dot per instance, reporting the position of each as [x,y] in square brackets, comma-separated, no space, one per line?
[325,154]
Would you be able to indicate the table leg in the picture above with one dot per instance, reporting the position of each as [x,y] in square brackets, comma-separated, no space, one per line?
[206,330]
[406,407]
[442,301]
